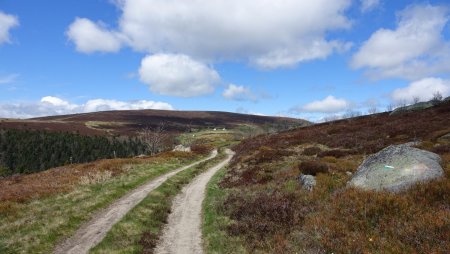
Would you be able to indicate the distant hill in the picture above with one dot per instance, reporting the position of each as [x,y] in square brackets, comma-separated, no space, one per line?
[130,121]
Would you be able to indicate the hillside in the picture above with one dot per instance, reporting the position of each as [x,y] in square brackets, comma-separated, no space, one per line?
[265,209]
[129,122]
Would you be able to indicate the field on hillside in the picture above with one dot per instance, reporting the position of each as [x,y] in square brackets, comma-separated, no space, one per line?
[265,210]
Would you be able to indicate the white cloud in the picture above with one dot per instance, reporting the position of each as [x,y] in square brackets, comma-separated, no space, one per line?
[302,52]
[239,93]
[8,79]
[6,23]
[415,49]
[50,105]
[269,34]
[104,105]
[57,102]
[328,105]
[422,89]
[177,75]
[90,37]
[368,5]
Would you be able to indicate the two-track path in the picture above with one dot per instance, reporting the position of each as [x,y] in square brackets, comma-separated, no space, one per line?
[182,234]
[93,231]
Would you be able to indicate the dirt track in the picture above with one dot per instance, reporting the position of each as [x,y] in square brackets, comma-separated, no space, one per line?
[93,232]
[182,234]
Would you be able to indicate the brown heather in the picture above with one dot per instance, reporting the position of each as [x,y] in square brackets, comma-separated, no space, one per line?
[54,181]
[271,215]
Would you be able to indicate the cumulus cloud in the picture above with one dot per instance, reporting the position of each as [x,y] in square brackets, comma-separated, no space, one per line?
[90,37]
[50,105]
[269,34]
[7,22]
[368,5]
[328,105]
[177,75]
[239,93]
[415,49]
[422,89]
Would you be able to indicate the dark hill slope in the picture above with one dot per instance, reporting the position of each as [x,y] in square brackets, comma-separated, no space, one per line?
[366,134]
[128,122]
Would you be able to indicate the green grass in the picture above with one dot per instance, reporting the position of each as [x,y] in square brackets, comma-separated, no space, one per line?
[40,224]
[139,230]
[216,239]
[217,138]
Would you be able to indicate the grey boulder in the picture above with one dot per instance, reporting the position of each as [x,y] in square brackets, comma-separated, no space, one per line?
[181,148]
[396,168]
[308,182]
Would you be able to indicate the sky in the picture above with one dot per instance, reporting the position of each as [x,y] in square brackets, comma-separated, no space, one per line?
[296,58]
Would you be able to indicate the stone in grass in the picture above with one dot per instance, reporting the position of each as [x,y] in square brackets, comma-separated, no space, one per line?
[181,148]
[397,168]
[308,182]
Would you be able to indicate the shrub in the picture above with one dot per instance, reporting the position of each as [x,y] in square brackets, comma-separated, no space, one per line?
[337,153]
[267,154]
[441,149]
[201,149]
[329,159]
[310,151]
[426,145]
[313,167]
[378,222]
[261,215]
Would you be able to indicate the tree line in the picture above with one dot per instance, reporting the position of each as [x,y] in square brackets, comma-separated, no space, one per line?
[25,151]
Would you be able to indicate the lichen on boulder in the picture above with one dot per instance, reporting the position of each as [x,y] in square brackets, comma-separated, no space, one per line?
[397,168]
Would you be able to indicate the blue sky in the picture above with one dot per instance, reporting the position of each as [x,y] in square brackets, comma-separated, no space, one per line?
[305,59]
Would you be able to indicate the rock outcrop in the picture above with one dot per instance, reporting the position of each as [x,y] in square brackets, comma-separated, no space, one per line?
[396,168]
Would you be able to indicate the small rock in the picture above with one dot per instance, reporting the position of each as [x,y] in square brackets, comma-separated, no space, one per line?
[348,173]
[396,168]
[181,148]
[308,181]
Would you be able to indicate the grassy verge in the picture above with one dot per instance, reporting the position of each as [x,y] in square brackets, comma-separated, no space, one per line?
[216,239]
[36,226]
[139,230]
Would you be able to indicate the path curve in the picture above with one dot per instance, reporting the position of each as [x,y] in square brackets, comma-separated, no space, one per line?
[182,234]
[93,231]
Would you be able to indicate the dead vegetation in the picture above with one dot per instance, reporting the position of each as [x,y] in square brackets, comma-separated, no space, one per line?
[272,214]
[26,187]
[313,167]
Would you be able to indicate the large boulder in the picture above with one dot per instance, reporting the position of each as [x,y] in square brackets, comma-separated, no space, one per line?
[396,168]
